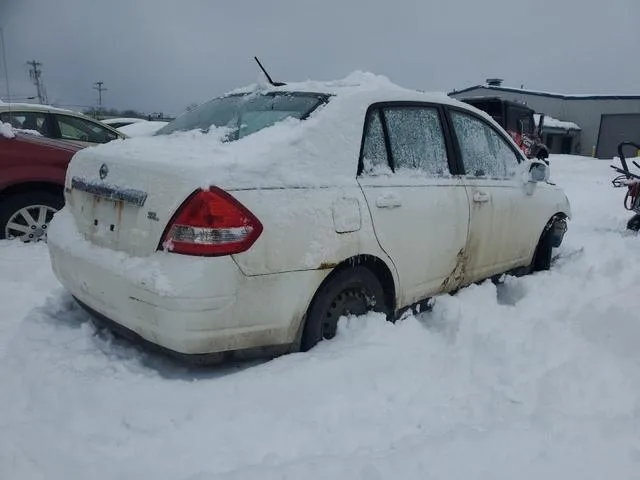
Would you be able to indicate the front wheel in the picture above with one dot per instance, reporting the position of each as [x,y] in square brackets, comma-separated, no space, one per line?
[543,254]
[26,216]
[353,291]
[634,223]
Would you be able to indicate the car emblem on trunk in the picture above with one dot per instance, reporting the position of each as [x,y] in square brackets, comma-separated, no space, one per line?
[104,171]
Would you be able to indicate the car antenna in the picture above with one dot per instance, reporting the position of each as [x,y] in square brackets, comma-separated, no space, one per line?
[275,84]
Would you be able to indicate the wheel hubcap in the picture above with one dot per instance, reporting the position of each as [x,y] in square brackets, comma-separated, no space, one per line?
[30,224]
[349,302]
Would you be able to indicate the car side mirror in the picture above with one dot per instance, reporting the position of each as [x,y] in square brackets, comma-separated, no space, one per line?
[539,172]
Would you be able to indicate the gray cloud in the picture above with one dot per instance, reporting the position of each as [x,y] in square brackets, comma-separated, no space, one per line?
[161,55]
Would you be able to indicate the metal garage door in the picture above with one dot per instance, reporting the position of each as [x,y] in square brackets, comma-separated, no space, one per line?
[615,129]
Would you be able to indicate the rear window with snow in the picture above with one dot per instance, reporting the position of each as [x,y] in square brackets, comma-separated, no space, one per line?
[244,114]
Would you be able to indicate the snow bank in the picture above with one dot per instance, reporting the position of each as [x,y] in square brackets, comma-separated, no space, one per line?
[6,130]
[536,378]
[322,150]
[142,129]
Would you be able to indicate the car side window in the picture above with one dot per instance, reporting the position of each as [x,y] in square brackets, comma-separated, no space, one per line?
[484,152]
[73,128]
[34,121]
[374,151]
[5,117]
[417,140]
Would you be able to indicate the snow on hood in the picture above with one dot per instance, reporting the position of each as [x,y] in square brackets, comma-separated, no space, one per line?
[109,121]
[321,150]
[6,130]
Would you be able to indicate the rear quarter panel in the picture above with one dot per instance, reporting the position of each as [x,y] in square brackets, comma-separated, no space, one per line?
[23,160]
[299,247]
[307,229]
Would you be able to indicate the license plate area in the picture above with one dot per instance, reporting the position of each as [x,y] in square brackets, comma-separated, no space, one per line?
[107,215]
[107,211]
[110,192]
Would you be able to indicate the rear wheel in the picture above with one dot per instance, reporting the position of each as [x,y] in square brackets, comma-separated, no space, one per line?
[353,291]
[26,216]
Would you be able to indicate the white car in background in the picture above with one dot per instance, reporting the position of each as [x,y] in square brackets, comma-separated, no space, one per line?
[135,127]
[118,122]
[58,123]
[145,128]
[259,219]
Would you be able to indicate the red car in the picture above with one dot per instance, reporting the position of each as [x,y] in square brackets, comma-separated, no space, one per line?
[32,172]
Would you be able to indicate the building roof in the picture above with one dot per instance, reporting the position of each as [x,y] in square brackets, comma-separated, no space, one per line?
[554,123]
[547,94]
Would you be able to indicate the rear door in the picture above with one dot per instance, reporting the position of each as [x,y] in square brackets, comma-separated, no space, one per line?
[502,230]
[420,211]
[39,122]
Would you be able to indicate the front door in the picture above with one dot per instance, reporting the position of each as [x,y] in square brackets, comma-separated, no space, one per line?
[502,232]
[81,131]
[420,212]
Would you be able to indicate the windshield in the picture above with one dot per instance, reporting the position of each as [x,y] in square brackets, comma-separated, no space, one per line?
[245,114]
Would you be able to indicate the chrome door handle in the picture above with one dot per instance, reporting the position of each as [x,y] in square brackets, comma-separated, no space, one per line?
[481,197]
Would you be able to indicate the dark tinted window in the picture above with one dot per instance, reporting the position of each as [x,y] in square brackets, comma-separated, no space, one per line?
[516,115]
[484,152]
[490,106]
[417,140]
[245,114]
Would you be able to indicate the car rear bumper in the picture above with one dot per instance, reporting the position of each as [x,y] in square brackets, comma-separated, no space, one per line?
[192,358]
[187,305]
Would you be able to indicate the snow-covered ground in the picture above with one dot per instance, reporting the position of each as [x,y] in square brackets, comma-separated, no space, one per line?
[536,378]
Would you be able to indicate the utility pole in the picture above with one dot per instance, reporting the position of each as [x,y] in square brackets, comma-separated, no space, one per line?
[100,88]
[4,66]
[35,73]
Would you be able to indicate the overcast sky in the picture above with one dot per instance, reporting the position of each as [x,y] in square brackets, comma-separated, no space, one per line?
[162,55]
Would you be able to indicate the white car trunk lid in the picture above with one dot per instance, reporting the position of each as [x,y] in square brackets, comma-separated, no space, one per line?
[121,205]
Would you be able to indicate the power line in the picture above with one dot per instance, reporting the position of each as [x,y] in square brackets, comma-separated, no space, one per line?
[18,98]
[35,73]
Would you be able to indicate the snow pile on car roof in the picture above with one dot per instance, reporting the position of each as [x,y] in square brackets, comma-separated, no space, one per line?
[6,130]
[322,150]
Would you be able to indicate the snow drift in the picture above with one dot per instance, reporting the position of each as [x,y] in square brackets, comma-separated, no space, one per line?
[536,378]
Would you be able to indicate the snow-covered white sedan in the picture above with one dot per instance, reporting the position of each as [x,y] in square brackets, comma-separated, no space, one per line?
[260,218]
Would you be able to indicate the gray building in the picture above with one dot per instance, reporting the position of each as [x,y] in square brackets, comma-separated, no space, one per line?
[603,120]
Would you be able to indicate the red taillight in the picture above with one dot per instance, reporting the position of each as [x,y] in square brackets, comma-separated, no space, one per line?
[211,223]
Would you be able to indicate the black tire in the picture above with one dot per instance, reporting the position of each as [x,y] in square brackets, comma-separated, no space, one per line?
[14,203]
[634,223]
[350,291]
[543,254]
